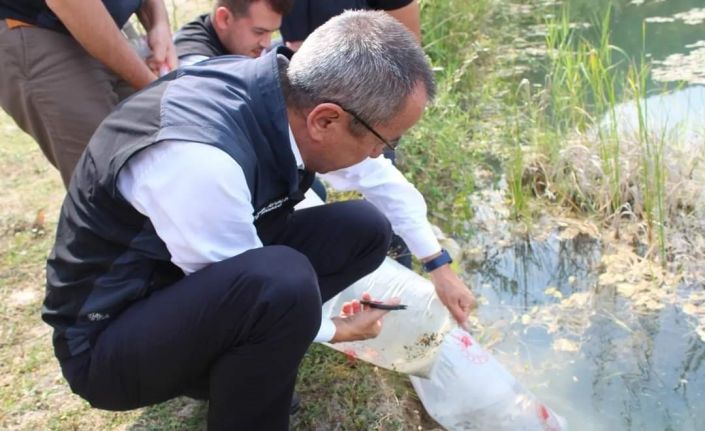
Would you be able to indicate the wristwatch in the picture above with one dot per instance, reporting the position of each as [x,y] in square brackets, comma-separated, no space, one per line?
[438,261]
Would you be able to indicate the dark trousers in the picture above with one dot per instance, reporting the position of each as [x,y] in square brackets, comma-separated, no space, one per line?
[237,329]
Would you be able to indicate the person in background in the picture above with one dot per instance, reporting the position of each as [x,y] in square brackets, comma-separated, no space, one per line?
[235,27]
[180,266]
[307,15]
[65,66]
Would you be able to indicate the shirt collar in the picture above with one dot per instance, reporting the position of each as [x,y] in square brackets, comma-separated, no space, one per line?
[295,150]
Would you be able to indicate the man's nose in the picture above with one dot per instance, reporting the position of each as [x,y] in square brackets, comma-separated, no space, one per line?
[266,41]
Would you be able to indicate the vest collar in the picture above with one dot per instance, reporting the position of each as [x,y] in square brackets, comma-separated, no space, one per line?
[272,107]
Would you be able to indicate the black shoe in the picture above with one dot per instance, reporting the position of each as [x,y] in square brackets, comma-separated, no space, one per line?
[295,404]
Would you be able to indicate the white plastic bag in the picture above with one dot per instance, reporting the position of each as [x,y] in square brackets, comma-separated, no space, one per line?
[466,389]
[410,338]
[469,390]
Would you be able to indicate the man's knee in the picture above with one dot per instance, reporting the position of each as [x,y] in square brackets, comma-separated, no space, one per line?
[371,222]
[287,284]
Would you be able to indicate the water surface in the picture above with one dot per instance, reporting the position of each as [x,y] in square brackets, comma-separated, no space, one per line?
[583,348]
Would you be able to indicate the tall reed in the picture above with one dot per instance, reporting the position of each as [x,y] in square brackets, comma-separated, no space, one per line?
[586,81]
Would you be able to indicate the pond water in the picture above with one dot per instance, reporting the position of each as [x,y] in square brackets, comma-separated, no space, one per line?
[582,347]
[603,351]
[668,34]
[674,30]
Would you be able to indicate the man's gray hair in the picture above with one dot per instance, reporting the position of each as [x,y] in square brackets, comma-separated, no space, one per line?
[366,61]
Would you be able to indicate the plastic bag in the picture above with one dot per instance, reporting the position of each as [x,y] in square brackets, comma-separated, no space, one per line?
[411,338]
[469,390]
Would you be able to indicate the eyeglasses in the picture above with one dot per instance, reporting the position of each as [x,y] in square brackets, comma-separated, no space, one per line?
[391,145]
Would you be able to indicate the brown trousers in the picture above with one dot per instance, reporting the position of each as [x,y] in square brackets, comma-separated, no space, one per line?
[55,91]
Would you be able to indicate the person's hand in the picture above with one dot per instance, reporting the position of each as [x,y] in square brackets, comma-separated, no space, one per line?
[453,293]
[359,322]
[163,58]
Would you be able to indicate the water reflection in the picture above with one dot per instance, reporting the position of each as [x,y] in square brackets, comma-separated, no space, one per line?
[678,117]
[566,265]
[628,371]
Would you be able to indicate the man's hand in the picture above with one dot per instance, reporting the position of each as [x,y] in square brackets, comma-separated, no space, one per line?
[359,322]
[154,19]
[91,25]
[163,57]
[453,293]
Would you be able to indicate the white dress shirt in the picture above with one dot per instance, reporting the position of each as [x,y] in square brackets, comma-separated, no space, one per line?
[199,203]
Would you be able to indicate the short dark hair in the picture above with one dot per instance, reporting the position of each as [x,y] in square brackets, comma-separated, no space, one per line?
[242,7]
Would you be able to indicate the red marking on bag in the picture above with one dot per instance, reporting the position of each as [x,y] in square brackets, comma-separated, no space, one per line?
[549,422]
[467,342]
[543,413]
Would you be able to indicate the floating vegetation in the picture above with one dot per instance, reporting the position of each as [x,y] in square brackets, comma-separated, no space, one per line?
[648,285]
[660,19]
[682,67]
[694,305]
[692,17]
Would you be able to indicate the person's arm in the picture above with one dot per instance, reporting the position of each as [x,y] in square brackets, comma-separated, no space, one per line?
[386,188]
[410,16]
[210,219]
[91,25]
[154,18]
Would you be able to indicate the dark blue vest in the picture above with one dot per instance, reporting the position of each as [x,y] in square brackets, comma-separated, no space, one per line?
[36,12]
[107,255]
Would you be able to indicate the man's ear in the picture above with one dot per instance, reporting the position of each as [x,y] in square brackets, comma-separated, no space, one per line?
[324,120]
[222,17]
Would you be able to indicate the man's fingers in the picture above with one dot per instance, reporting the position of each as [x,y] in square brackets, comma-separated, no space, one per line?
[346,309]
[158,51]
[171,59]
[393,301]
[371,315]
[374,324]
[461,313]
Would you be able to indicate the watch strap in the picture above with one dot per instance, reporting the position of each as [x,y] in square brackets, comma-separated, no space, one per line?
[438,261]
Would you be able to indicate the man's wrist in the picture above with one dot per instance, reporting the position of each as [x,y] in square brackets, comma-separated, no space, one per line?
[434,262]
[340,333]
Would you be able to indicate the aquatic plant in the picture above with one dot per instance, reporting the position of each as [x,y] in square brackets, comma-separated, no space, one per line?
[585,162]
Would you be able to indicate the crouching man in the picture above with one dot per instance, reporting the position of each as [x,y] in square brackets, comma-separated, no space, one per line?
[180,266]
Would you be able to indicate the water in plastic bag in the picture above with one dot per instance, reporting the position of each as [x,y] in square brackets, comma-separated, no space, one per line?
[411,338]
[469,390]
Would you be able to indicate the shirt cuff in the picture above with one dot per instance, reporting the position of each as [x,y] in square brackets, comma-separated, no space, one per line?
[326,332]
[423,242]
